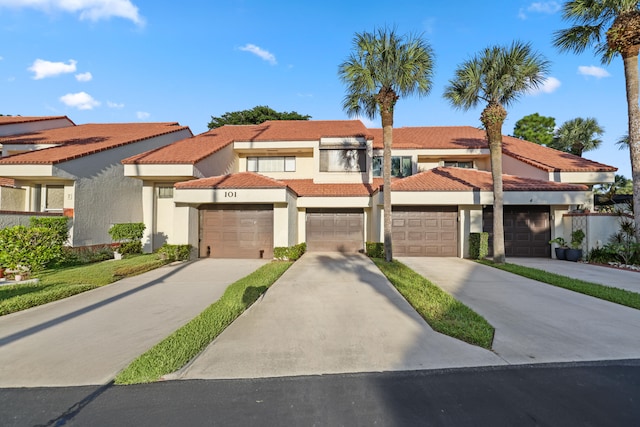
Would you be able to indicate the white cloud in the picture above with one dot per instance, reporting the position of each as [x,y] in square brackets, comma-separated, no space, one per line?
[93,10]
[80,100]
[114,105]
[593,71]
[548,7]
[548,86]
[43,69]
[264,54]
[84,77]
[142,115]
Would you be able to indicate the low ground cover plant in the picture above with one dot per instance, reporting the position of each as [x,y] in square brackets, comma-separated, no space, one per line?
[439,309]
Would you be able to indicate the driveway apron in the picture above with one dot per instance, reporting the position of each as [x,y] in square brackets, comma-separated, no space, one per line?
[536,322]
[88,338]
[330,313]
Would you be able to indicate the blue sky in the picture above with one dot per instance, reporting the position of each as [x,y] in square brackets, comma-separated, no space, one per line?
[142,60]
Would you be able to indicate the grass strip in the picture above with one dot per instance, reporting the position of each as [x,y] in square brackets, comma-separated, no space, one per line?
[179,348]
[440,310]
[607,293]
[65,282]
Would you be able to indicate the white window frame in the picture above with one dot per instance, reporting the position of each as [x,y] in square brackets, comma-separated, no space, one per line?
[288,163]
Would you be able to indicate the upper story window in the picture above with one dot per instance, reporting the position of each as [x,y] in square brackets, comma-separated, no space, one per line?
[457,164]
[271,164]
[343,160]
[400,166]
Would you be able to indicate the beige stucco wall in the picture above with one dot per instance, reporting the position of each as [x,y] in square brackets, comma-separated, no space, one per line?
[588,178]
[242,195]
[280,225]
[292,212]
[221,162]
[511,166]
[11,219]
[470,221]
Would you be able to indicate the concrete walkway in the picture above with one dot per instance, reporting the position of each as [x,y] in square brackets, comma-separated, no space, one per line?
[536,322]
[608,276]
[88,338]
[331,313]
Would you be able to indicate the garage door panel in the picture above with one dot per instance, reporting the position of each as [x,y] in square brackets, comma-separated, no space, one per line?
[236,231]
[526,230]
[334,230]
[425,231]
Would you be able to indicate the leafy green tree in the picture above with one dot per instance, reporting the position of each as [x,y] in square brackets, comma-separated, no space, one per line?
[620,185]
[383,67]
[611,27]
[255,116]
[498,76]
[578,135]
[535,128]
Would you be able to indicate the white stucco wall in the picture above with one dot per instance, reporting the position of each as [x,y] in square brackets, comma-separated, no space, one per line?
[280,225]
[103,194]
[292,212]
[222,162]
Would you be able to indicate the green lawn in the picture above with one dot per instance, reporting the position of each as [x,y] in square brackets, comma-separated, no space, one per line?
[179,348]
[65,282]
[618,296]
[441,311]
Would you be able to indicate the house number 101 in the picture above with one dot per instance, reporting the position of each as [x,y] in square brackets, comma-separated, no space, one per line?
[230,194]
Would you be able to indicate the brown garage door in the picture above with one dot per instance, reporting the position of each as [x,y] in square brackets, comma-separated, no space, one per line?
[527,230]
[335,230]
[425,231]
[236,231]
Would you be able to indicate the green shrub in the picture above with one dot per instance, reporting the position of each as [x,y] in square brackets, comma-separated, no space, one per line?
[478,245]
[57,223]
[85,255]
[129,235]
[374,249]
[29,248]
[175,252]
[602,255]
[291,253]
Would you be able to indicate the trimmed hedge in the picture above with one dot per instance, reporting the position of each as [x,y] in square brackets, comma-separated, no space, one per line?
[175,252]
[291,253]
[478,245]
[59,224]
[374,249]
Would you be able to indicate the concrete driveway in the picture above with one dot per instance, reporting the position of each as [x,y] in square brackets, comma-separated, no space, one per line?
[88,338]
[330,313]
[608,276]
[536,322]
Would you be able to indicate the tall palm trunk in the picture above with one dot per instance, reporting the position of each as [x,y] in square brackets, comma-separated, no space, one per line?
[630,59]
[493,117]
[387,138]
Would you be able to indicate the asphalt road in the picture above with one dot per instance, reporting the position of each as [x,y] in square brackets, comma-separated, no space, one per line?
[586,394]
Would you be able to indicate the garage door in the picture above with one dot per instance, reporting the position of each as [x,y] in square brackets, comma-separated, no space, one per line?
[335,230]
[236,231]
[527,230]
[425,231]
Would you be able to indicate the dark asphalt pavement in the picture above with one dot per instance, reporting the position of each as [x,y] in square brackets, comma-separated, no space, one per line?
[585,394]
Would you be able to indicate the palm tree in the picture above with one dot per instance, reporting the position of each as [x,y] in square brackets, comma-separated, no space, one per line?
[611,27]
[498,76]
[383,67]
[578,135]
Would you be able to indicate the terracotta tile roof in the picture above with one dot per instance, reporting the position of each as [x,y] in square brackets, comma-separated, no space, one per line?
[307,188]
[549,159]
[237,180]
[83,140]
[7,182]
[459,179]
[462,137]
[433,137]
[9,120]
[192,150]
